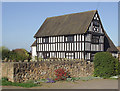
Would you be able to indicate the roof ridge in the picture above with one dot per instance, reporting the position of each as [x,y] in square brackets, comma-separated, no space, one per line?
[51,27]
[71,14]
[90,20]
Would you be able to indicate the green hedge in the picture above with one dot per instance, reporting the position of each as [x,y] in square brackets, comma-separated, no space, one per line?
[105,65]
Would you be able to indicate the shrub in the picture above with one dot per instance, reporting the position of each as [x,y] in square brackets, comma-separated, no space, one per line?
[13,56]
[4,79]
[105,65]
[117,67]
[19,54]
[22,54]
[5,52]
[61,74]
[16,55]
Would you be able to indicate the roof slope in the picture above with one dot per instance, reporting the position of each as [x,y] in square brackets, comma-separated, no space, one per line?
[76,23]
[118,48]
[112,47]
[34,43]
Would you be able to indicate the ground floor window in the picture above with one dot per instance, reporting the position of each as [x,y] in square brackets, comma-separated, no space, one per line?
[70,55]
[46,55]
[92,56]
[87,55]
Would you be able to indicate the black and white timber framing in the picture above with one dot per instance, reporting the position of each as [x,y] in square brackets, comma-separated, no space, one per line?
[74,46]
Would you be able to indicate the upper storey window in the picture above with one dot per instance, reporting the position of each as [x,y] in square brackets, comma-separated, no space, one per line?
[95,39]
[96,23]
[45,40]
[69,38]
[95,29]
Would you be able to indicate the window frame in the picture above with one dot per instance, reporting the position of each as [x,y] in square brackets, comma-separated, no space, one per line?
[69,38]
[96,23]
[94,39]
[46,55]
[45,40]
[70,54]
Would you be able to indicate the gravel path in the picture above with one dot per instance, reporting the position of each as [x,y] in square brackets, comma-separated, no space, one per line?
[91,84]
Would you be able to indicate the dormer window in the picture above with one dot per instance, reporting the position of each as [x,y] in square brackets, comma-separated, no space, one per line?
[45,40]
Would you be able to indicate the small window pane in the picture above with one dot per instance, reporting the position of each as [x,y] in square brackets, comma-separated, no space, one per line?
[46,40]
[69,38]
[95,39]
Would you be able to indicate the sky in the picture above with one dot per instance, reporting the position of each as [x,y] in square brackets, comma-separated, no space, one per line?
[21,20]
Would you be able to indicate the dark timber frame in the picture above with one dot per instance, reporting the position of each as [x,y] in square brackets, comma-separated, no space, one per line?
[82,46]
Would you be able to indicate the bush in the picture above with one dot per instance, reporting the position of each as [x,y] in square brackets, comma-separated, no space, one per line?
[19,54]
[5,52]
[105,65]
[61,74]
[16,55]
[117,67]
[12,55]
[22,54]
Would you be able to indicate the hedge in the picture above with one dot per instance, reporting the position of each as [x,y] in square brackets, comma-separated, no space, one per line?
[105,65]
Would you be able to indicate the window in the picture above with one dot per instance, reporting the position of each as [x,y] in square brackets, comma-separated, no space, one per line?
[45,40]
[95,39]
[96,23]
[70,55]
[95,29]
[92,57]
[69,38]
[46,55]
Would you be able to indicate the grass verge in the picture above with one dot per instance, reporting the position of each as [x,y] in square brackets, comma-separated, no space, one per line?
[5,82]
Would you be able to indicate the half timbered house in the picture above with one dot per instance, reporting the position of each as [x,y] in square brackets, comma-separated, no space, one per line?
[73,36]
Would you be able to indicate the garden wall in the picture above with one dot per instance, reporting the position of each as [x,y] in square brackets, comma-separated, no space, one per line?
[7,70]
[24,71]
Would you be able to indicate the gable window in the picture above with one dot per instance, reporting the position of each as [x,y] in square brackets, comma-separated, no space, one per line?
[45,40]
[95,39]
[95,29]
[96,23]
[69,38]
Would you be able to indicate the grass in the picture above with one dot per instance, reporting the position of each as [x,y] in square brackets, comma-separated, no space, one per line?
[42,80]
[32,83]
[113,78]
[82,78]
[5,82]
